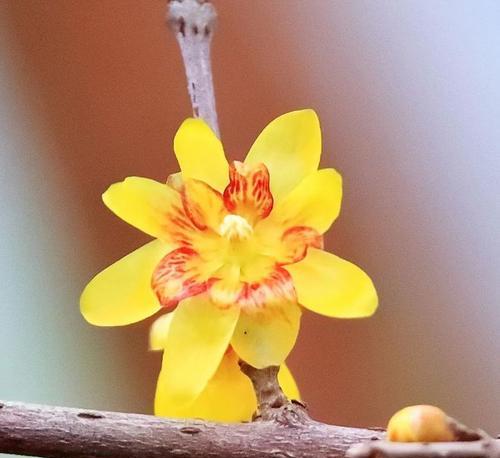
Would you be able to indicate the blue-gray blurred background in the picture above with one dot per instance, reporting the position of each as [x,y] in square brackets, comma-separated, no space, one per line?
[408,93]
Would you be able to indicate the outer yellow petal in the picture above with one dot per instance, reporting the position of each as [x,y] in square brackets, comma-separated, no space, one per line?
[287,383]
[315,203]
[143,203]
[200,154]
[198,337]
[227,397]
[265,336]
[290,147]
[159,331]
[122,294]
[331,286]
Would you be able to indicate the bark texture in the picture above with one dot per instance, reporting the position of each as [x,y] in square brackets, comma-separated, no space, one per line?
[484,448]
[192,22]
[57,432]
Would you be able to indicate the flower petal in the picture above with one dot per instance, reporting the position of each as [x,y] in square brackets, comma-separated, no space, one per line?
[200,154]
[290,147]
[275,288]
[146,204]
[203,204]
[331,286]
[175,181]
[225,291]
[248,193]
[287,383]
[180,274]
[122,294]
[295,243]
[227,397]
[314,203]
[198,337]
[264,337]
[159,331]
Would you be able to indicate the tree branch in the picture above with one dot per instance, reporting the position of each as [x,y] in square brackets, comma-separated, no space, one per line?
[59,432]
[485,448]
[193,22]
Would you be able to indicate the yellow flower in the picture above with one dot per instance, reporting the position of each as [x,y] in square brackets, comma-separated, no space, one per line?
[237,252]
[227,397]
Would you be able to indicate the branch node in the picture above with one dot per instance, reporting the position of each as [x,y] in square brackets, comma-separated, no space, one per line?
[191,430]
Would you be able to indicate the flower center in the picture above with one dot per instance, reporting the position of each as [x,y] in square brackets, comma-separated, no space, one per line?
[235,227]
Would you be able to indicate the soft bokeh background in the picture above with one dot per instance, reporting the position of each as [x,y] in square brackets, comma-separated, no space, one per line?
[409,98]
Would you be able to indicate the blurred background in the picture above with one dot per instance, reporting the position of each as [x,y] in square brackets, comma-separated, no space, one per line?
[409,98]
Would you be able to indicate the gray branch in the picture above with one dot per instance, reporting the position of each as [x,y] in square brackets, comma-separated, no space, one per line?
[485,448]
[193,22]
[59,432]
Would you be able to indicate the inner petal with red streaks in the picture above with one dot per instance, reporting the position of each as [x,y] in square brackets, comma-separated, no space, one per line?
[258,284]
[181,231]
[248,193]
[286,245]
[295,241]
[203,205]
[180,274]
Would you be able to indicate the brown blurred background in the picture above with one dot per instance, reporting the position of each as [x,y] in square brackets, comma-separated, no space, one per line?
[408,96]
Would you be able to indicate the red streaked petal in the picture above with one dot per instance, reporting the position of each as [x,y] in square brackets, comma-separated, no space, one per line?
[178,276]
[277,287]
[203,205]
[295,242]
[248,193]
[225,292]
[274,287]
[179,227]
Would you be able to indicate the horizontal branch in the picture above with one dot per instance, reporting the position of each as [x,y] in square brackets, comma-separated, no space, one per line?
[485,448]
[59,432]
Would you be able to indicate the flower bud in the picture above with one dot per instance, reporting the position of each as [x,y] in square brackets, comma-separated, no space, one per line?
[421,423]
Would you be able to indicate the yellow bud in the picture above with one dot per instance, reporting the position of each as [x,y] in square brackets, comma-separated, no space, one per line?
[422,423]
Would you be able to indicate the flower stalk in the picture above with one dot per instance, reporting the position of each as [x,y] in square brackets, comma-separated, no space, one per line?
[271,401]
[192,22]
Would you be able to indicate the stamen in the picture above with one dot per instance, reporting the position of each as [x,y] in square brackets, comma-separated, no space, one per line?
[235,227]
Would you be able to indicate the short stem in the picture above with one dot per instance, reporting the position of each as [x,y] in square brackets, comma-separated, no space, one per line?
[271,401]
[193,22]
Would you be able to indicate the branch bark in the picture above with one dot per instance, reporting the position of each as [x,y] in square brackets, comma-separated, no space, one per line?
[192,22]
[59,432]
[485,448]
